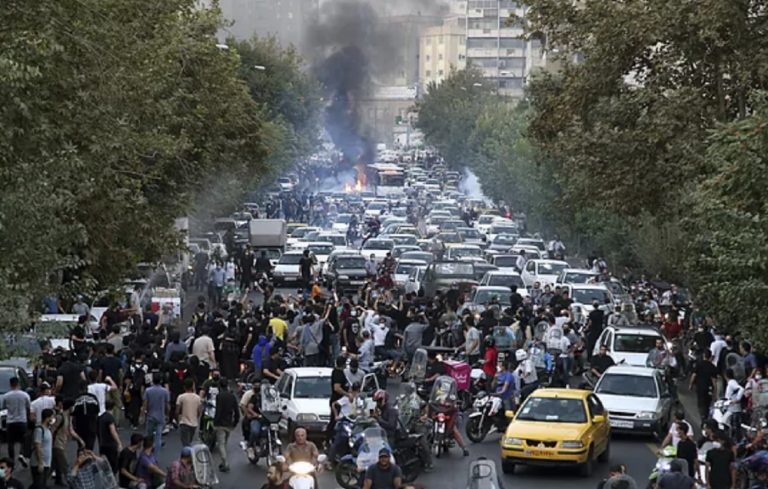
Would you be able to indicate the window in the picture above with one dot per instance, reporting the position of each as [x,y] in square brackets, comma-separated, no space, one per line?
[429,73]
[440,57]
[429,57]
[440,73]
[595,406]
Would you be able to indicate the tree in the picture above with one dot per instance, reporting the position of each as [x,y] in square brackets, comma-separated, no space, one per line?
[112,113]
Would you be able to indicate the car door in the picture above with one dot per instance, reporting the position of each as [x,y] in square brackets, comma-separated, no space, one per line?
[609,344]
[600,341]
[600,425]
[529,274]
[665,397]
[285,401]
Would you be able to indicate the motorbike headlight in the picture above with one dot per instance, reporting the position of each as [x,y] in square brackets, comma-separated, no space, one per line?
[646,415]
[514,442]
[572,444]
[307,418]
[343,277]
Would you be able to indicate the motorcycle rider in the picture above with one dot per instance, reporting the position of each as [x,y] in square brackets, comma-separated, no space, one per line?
[435,369]
[526,372]
[600,362]
[451,411]
[275,477]
[507,386]
[386,415]
[301,450]
[346,406]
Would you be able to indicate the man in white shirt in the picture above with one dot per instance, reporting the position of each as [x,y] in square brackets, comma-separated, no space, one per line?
[44,401]
[380,331]
[100,389]
[521,261]
[672,437]
[716,347]
[203,349]
[734,393]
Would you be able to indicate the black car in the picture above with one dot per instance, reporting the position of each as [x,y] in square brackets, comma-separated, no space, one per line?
[346,272]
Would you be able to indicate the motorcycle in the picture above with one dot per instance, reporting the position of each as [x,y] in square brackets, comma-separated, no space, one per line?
[269,444]
[667,455]
[302,473]
[488,414]
[364,448]
[442,404]
[722,415]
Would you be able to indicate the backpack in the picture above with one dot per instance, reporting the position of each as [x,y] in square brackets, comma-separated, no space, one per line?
[139,374]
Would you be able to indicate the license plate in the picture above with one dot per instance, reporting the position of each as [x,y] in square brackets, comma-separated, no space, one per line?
[538,453]
[620,423]
[356,282]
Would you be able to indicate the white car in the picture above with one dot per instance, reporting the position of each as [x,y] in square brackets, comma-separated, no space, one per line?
[482,295]
[531,252]
[506,263]
[576,276]
[339,240]
[285,183]
[463,252]
[484,222]
[637,399]
[304,398]
[628,345]
[498,228]
[293,240]
[403,271]
[287,268]
[375,209]
[536,243]
[543,271]
[504,278]
[415,279]
[320,250]
[341,223]
[583,296]
[378,248]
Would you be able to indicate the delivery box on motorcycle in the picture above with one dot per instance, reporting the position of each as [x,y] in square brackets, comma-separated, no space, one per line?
[461,372]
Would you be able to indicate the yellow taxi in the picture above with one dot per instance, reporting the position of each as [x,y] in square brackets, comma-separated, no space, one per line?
[557,427]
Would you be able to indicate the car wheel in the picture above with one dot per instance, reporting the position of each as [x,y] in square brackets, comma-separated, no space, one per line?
[588,466]
[606,455]
[507,467]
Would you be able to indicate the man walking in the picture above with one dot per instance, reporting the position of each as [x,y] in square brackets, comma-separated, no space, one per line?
[18,406]
[189,408]
[227,417]
[157,401]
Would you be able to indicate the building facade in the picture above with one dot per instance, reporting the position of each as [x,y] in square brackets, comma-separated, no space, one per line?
[442,49]
[286,20]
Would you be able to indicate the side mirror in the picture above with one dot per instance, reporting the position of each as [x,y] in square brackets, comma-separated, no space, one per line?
[598,419]
[509,414]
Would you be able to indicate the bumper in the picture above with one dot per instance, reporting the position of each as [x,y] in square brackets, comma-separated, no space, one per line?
[350,284]
[623,425]
[545,458]
[287,278]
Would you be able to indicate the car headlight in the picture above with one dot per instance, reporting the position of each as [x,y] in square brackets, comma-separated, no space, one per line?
[646,415]
[515,442]
[343,277]
[307,417]
[572,444]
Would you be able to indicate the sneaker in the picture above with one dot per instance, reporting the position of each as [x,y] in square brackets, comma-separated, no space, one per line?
[466,452]
[24,461]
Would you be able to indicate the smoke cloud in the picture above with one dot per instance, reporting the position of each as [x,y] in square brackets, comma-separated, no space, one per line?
[350,46]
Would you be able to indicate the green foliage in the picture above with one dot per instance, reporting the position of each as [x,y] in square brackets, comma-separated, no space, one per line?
[111,114]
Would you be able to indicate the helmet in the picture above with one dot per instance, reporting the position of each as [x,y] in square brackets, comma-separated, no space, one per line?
[381,396]
[521,355]
[489,341]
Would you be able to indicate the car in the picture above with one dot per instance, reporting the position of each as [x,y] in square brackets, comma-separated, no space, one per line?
[484,222]
[629,345]
[378,248]
[341,223]
[339,240]
[398,250]
[202,243]
[285,183]
[481,268]
[287,268]
[507,263]
[346,272]
[304,399]
[637,399]
[535,242]
[297,234]
[375,209]
[320,250]
[463,251]
[424,256]
[498,228]
[576,276]
[483,295]
[452,225]
[504,278]
[444,275]
[557,427]
[449,237]
[531,252]
[543,271]
[403,271]
[403,239]
[583,296]
[415,280]
[503,242]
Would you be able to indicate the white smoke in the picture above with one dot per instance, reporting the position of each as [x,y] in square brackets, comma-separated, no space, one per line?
[470,185]
[339,183]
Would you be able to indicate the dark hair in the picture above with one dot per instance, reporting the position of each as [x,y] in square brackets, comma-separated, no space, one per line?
[93,375]
[278,466]
[680,414]
[189,384]
[109,404]
[8,462]
[136,438]
[340,362]
[149,441]
[729,373]
[14,382]
[157,378]
[175,337]
[47,413]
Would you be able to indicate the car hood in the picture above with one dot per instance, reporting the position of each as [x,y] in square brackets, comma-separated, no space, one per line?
[637,359]
[539,430]
[628,404]
[321,407]
[547,279]
[282,267]
[352,272]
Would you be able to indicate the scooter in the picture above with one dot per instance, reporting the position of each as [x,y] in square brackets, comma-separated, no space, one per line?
[667,455]
[302,473]
[488,414]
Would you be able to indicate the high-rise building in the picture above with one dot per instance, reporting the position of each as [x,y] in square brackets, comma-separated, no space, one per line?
[286,20]
[497,46]
[442,48]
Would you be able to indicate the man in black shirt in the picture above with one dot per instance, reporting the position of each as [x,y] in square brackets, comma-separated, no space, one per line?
[435,369]
[129,456]
[686,449]
[600,362]
[305,267]
[69,377]
[227,417]
[109,440]
[85,415]
[515,300]
[272,368]
[6,465]
[595,322]
[263,265]
[704,377]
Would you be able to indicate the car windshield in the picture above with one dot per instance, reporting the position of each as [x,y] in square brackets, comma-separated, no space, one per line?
[300,232]
[462,252]
[553,410]
[292,259]
[586,296]
[454,269]
[551,268]
[634,343]
[343,218]
[379,244]
[503,230]
[451,225]
[506,280]
[531,242]
[470,233]
[627,385]
[438,219]
[578,277]
[336,239]
[417,255]
[408,239]
[486,219]
[485,296]
[321,249]
[311,387]
[272,253]
[505,261]
[376,207]
[348,263]
[405,268]
[504,239]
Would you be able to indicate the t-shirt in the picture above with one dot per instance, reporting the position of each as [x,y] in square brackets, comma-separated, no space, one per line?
[687,451]
[44,437]
[675,480]
[99,391]
[338,377]
[473,337]
[601,362]
[157,398]
[705,371]
[279,327]
[383,478]
[42,402]
[413,335]
[70,373]
[111,367]
[17,403]
[720,460]
[190,407]
[106,440]
[675,436]
[201,348]
[142,468]
[127,460]
[501,379]
[305,265]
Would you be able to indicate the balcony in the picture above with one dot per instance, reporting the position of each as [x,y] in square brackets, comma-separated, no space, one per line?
[483,33]
[482,52]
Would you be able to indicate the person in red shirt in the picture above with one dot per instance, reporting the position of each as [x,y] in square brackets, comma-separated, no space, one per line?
[491,355]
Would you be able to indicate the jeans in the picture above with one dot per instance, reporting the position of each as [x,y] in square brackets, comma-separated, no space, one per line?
[255,428]
[155,427]
[60,465]
[187,434]
[40,479]
[335,346]
[15,432]
[222,438]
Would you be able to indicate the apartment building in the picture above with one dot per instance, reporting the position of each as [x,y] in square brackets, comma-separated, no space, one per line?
[442,48]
